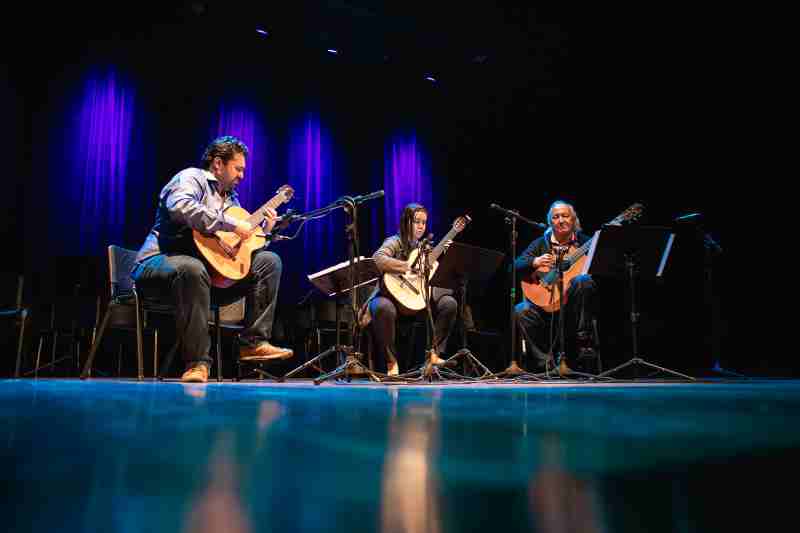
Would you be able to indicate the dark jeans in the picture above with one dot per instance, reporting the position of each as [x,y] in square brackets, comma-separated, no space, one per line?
[188,282]
[578,315]
[384,322]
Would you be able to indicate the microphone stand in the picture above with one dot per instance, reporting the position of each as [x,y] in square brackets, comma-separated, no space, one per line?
[514,370]
[352,362]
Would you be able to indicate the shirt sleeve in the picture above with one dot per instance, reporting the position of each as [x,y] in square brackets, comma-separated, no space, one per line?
[387,256]
[523,263]
[184,203]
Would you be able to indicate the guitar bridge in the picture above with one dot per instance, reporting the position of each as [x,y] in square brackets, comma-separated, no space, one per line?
[404,281]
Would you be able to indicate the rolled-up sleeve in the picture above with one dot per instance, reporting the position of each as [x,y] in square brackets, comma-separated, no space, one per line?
[184,203]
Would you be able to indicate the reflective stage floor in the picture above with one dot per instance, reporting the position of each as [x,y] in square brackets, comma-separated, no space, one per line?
[107,455]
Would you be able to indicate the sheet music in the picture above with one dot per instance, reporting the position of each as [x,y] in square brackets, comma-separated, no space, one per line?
[336,279]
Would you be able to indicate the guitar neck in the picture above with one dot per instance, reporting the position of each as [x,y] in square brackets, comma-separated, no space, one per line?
[580,252]
[439,248]
[629,214]
[258,216]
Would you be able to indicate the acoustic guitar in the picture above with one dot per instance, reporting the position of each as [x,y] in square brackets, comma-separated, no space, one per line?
[407,290]
[541,286]
[228,255]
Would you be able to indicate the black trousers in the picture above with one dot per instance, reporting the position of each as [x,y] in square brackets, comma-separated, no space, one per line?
[578,315]
[385,316]
[187,280]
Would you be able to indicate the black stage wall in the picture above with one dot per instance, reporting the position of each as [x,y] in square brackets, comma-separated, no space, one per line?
[529,106]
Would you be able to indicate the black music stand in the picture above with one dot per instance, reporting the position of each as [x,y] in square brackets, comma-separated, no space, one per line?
[335,281]
[461,264]
[632,252]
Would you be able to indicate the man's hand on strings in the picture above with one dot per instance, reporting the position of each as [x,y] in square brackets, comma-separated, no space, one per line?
[244,229]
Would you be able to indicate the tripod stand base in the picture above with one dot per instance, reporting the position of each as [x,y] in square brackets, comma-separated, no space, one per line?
[638,361]
[561,371]
[351,367]
[431,370]
[51,364]
[513,370]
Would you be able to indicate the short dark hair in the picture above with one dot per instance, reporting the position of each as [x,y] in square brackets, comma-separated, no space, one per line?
[225,147]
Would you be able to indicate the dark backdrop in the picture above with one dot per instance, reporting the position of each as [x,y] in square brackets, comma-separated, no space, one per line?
[599,109]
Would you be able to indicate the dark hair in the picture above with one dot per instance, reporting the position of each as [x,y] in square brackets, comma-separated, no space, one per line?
[225,148]
[407,224]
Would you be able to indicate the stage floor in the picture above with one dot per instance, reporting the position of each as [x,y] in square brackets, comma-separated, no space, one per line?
[115,455]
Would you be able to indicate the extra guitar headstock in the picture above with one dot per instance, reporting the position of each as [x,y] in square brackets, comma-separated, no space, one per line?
[461,222]
[629,215]
[285,193]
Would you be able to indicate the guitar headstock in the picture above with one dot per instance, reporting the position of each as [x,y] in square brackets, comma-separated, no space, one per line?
[285,193]
[461,222]
[629,215]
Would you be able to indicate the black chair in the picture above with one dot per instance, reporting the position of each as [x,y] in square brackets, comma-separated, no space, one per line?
[63,331]
[226,317]
[14,310]
[125,298]
[317,317]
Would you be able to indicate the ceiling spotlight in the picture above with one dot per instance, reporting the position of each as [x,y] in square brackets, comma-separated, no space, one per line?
[265,33]
[332,51]
[430,78]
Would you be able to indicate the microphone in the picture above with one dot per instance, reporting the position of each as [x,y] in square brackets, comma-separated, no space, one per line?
[691,217]
[366,197]
[285,218]
[504,210]
[356,200]
[426,242]
[515,214]
[424,247]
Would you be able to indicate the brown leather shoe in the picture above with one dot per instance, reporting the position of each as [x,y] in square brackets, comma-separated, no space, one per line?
[392,368]
[263,351]
[563,369]
[197,373]
[434,359]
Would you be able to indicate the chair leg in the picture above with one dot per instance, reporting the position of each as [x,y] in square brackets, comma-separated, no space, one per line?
[234,343]
[87,368]
[23,319]
[596,333]
[168,360]
[38,357]
[77,355]
[139,340]
[155,353]
[53,352]
[219,344]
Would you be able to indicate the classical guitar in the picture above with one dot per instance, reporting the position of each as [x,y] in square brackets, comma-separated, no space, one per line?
[407,290]
[226,252]
[541,286]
